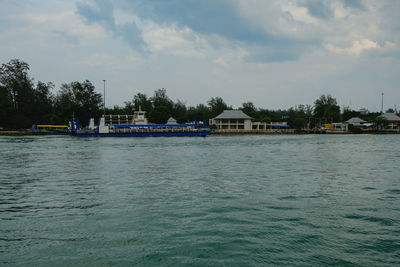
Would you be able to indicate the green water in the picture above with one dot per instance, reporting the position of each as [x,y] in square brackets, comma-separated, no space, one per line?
[232,201]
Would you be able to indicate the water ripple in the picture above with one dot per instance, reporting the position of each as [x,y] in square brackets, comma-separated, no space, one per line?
[215,201]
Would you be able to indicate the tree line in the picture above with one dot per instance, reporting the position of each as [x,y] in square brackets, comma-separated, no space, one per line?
[24,102]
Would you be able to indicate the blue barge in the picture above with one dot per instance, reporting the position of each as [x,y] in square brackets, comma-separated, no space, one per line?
[137,126]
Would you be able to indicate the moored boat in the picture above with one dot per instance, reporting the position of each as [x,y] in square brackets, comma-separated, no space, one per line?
[47,129]
[137,126]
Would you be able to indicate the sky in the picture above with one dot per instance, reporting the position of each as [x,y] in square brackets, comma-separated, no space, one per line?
[276,54]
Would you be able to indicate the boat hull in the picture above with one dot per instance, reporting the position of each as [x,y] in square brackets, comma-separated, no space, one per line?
[47,132]
[149,134]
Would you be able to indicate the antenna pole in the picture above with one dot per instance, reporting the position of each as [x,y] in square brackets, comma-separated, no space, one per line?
[104,99]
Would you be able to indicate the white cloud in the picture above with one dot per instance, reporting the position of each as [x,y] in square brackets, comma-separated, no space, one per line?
[61,46]
[67,24]
[230,58]
[173,40]
[300,13]
[357,48]
[123,17]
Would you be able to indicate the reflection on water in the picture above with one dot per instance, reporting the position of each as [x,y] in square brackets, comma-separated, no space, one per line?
[246,200]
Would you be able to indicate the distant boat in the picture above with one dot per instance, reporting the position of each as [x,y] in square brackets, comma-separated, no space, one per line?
[49,129]
[137,126]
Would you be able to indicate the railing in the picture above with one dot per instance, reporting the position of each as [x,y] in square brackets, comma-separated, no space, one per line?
[151,130]
[242,131]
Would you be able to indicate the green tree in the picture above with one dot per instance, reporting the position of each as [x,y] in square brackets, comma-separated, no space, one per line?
[266,119]
[160,98]
[380,123]
[20,100]
[159,114]
[79,99]
[142,101]
[118,110]
[179,111]
[322,103]
[249,109]
[299,123]
[332,114]
[217,106]
[326,109]
[42,112]
[6,107]
[203,112]
[200,112]
[348,114]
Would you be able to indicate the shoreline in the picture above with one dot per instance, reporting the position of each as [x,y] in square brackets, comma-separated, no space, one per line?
[227,133]
[304,133]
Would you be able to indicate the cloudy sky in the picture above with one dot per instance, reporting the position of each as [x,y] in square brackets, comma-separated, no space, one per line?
[274,53]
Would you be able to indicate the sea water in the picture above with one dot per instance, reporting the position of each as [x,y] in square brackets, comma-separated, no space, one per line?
[220,200]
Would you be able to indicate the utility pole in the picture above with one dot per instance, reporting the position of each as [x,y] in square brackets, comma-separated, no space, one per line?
[16,100]
[382,103]
[104,99]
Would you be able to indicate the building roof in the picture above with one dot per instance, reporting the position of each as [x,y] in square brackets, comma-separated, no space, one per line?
[233,114]
[355,120]
[171,121]
[390,117]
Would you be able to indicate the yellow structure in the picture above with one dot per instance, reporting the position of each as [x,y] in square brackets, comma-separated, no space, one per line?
[51,126]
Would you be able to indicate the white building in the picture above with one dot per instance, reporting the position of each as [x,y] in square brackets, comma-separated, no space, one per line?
[357,122]
[232,120]
[259,126]
[337,127]
[392,119]
[171,121]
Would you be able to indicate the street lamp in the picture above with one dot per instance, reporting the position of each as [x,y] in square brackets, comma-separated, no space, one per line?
[382,103]
[16,99]
[104,99]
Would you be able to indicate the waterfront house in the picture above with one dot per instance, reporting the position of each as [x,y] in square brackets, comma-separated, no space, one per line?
[337,127]
[259,126]
[392,119]
[171,121]
[359,123]
[232,120]
[356,121]
[237,121]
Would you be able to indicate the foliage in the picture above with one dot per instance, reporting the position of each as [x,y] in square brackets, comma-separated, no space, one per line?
[348,114]
[355,130]
[179,111]
[332,113]
[117,110]
[140,101]
[266,119]
[20,101]
[326,109]
[78,100]
[160,98]
[159,114]
[299,123]
[249,109]
[217,106]
[23,103]
[200,112]
[380,123]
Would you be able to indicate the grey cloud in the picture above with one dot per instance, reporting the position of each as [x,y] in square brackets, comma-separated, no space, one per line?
[355,4]
[102,13]
[207,18]
[321,9]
